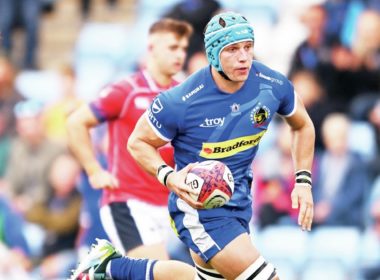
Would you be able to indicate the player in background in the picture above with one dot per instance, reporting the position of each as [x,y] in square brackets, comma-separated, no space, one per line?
[134,205]
[221,112]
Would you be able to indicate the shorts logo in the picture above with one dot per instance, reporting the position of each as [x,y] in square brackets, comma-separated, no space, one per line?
[259,115]
[157,106]
[212,122]
[230,147]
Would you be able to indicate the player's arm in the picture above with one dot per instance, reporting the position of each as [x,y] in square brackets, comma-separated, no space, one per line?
[302,152]
[143,145]
[78,126]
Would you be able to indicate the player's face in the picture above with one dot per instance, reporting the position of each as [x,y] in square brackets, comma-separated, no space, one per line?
[236,60]
[169,52]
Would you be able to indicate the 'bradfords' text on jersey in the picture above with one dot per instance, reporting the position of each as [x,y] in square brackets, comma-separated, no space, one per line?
[231,147]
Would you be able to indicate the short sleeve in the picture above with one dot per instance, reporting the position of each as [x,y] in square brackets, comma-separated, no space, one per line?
[288,100]
[110,103]
[162,115]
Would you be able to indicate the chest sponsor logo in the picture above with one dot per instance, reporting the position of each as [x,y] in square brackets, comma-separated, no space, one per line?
[259,115]
[191,93]
[230,147]
[212,122]
[157,106]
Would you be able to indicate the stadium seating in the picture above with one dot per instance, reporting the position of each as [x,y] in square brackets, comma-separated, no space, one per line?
[324,270]
[339,245]
[284,245]
[102,50]
[362,139]
[43,86]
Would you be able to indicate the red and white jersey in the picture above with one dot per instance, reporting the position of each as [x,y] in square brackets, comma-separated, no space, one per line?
[121,104]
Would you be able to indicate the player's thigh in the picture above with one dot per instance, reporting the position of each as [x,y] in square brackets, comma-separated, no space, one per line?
[234,259]
[155,252]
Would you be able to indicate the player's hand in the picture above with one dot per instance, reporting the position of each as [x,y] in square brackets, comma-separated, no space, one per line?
[103,179]
[176,183]
[302,198]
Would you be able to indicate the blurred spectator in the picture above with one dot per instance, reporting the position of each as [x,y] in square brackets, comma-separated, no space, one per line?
[8,95]
[357,70]
[341,181]
[24,14]
[374,119]
[197,61]
[56,114]
[30,157]
[274,174]
[14,250]
[314,53]
[313,96]
[59,216]
[8,98]
[197,13]
[86,7]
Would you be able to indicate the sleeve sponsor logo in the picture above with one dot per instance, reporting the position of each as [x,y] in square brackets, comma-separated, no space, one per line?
[153,119]
[231,147]
[157,106]
[271,79]
[191,93]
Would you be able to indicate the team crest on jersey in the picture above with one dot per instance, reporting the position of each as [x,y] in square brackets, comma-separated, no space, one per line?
[235,109]
[259,115]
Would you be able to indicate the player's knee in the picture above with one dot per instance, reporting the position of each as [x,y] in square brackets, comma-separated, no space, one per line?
[259,270]
[207,274]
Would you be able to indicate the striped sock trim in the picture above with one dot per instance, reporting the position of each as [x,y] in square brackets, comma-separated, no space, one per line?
[207,273]
[259,270]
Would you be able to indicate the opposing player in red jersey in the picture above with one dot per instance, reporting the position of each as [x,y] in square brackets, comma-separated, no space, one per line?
[134,204]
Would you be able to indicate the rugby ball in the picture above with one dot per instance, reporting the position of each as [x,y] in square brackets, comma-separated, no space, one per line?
[213,182]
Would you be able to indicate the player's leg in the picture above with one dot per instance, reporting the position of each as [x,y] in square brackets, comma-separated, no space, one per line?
[219,239]
[105,262]
[240,260]
[136,228]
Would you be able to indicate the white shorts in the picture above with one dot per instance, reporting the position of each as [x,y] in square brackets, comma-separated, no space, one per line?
[134,223]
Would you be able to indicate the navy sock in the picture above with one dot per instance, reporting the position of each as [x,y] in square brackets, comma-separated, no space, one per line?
[132,269]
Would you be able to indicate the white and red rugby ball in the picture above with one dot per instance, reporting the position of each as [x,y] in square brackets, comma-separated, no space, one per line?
[214,182]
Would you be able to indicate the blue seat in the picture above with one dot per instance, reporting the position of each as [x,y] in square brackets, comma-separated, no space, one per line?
[335,244]
[284,244]
[322,270]
[362,139]
[369,249]
[43,86]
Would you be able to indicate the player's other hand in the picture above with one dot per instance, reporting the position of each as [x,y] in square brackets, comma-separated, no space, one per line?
[103,179]
[176,183]
[302,199]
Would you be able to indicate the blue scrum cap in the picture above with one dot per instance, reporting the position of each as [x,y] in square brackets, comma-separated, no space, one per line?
[222,30]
